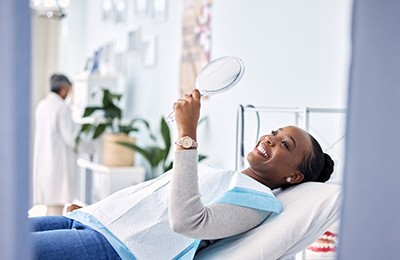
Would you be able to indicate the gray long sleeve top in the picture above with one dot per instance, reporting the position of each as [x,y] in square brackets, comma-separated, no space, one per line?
[188,215]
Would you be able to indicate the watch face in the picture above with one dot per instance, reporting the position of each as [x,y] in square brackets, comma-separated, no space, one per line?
[187,142]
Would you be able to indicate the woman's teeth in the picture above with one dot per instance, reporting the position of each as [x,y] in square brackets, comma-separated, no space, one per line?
[262,150]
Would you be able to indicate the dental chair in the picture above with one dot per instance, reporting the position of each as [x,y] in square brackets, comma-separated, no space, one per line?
[309,210]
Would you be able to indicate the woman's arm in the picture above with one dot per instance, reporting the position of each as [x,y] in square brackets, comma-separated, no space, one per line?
[187,213]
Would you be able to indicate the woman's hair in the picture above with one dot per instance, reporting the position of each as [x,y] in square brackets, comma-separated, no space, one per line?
[316,166]
[57,81]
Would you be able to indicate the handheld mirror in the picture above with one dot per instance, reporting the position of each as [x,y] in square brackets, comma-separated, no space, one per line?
[218,76]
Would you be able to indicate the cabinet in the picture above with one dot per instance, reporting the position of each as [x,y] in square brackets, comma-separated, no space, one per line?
[97,181]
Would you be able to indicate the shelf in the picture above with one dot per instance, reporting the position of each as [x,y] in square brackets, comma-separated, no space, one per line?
[101,168]
[99,181]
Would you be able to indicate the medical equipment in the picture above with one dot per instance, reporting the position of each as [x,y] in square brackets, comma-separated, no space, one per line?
[217,77]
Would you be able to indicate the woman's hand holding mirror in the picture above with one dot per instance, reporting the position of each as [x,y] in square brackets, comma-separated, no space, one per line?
[217,76]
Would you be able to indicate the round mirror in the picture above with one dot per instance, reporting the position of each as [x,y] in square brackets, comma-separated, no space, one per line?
[220,75]
[217,76]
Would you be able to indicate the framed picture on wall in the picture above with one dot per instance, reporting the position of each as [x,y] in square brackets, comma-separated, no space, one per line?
[119,11]
[134,40]
[159,10]
[107,51]
[118,62]
[106,10]
[149,54]
[141,7]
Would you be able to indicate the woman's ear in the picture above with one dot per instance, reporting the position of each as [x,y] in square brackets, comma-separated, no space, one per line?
[296,177]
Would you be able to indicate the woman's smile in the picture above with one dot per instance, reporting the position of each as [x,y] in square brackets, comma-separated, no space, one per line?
[262,150]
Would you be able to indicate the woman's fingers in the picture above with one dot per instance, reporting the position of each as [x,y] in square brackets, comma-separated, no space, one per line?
[196,94]
[73,207]
[189,104]
[188,97]
[187,112]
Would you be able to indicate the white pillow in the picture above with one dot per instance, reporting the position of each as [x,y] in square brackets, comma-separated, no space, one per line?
[309,210]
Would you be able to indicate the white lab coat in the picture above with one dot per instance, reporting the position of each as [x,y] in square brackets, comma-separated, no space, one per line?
[54,159]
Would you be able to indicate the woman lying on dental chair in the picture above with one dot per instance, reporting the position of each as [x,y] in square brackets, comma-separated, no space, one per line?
[189,207]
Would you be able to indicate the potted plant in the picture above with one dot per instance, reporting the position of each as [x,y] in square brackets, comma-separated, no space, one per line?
[112,128]
[157,153]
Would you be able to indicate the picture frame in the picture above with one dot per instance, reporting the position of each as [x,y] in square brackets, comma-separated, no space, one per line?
[159,10]
[141,7]
[106,10]
[134,41]
[107,51]
[119,62]
[119,11]
[149,54]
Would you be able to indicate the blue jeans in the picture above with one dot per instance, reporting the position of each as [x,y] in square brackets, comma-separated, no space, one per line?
[58,237]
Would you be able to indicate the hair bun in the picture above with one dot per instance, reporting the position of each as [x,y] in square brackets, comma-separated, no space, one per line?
[327,170]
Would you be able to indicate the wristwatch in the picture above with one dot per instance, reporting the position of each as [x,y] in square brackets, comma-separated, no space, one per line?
[186,142]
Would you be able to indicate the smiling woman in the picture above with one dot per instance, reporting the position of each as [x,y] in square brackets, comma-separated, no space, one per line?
[195,205]
[288,156]
[288,50]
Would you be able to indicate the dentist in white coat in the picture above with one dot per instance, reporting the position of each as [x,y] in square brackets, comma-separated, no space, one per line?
[54,159]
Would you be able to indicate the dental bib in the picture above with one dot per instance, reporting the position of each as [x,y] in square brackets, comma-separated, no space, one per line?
[135,220]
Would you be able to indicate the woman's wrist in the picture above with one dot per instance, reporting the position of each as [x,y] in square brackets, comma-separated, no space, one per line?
[188,132]
[186,142]
[191,135]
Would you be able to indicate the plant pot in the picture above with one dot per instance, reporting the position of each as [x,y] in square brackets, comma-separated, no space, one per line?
[115,154]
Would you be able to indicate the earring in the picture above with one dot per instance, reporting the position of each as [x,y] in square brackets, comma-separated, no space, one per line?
[288,179]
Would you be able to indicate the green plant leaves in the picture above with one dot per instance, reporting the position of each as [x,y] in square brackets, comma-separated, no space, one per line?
[109,98]
[86,128]
[99,130]
[112,111]
[90,110]
[156,154]
[111,120]
[166,135]
[202,157]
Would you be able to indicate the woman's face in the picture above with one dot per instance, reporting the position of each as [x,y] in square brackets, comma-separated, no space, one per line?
[278,155]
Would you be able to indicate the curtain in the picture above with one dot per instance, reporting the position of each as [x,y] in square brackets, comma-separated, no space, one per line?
[47,54]
[370,224]
[14,131]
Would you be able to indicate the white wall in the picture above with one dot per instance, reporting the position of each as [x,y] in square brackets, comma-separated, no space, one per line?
[296,54]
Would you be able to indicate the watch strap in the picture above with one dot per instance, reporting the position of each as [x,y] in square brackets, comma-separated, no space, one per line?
[186,142]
